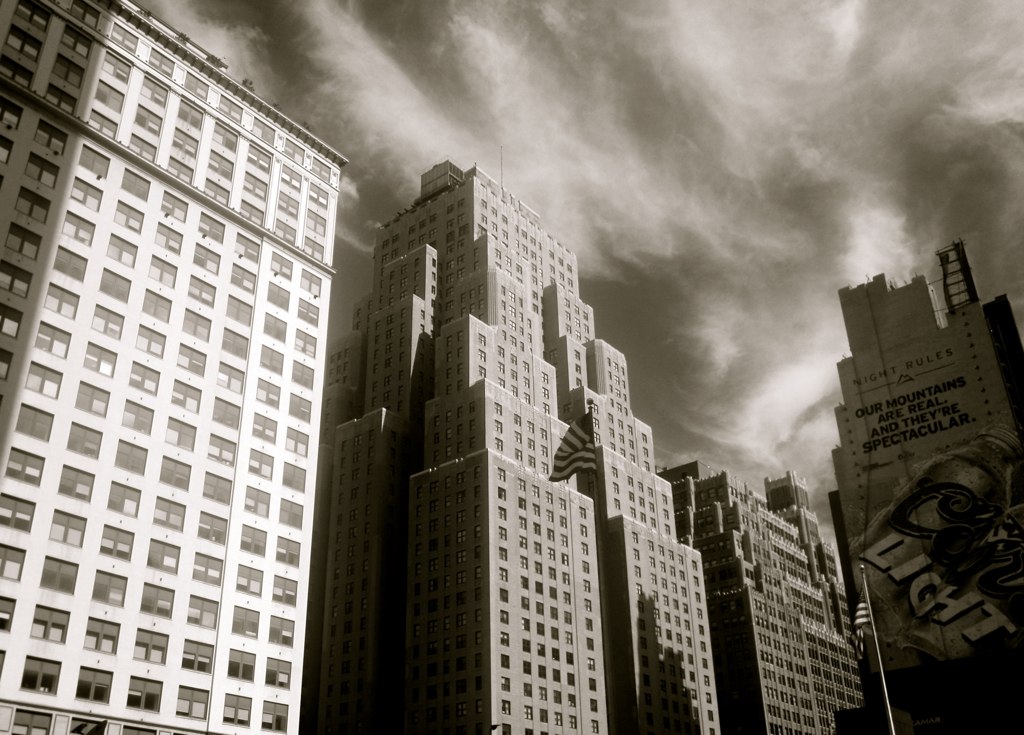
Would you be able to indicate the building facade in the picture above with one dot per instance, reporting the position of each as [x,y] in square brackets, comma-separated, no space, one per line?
[510,602]
[164,278]
[928,469]
[777,610]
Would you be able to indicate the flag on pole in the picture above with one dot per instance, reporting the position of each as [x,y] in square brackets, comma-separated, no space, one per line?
[577,451]
[861,620]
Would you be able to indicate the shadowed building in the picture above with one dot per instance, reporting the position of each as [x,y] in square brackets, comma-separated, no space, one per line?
[166,254]
[463,589]
[776,609]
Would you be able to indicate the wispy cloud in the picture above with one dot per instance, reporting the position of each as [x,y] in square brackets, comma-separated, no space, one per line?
[722,168]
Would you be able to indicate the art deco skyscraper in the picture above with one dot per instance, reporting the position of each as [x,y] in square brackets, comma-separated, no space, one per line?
[778,611]
[459,580]
[164,277]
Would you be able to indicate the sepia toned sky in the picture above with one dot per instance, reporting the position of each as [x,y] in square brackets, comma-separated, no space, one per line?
[721,168]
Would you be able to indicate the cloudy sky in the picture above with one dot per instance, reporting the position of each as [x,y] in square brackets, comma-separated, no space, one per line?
[720,167]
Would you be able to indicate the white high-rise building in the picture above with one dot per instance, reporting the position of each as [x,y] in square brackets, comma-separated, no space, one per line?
[165,247]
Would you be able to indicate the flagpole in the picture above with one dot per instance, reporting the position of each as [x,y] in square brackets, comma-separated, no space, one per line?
[878,650]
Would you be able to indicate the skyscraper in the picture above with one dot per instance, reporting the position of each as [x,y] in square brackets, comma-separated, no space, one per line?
[459,580]
[777,609]
[928,469]
[163,286]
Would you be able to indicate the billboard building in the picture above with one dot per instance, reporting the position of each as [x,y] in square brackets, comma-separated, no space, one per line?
[929,483]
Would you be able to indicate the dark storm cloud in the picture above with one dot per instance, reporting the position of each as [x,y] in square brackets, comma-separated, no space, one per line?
[721,168]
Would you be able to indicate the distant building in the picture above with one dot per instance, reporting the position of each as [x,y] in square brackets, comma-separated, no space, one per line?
[776,608]
[164,274]
[928,470]
[463,590]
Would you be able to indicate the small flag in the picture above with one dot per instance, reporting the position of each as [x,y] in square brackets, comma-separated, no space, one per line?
[861,620]
[576,452]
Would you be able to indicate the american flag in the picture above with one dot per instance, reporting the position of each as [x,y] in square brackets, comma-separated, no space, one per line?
[861,620]
[577,451]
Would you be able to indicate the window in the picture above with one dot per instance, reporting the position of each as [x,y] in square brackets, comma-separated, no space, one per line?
[207,569]
[40,675]
[242,278]
[221,450]
[75,483]
[276,328]
[305,343]
[192,702]
[202,612]
[124,500]
[302,375]
[122,251]
[217,488]
[211,228]
[226,413]
[154,91]
[41,170]
[309,313]
[235,344]
[163,556]
[186,396]
[102,635]
[12,561]
[288,551]
[242,665]
[145,379]
[114,285]
[88,196]
[201,291]
[192,360]
[275,716]
[212,528]
[151,646]
[131,457]
[67,529]
[84,440]
[278,296]
[169,514]
[206,259]
[135,184]
[145,120]
[268,393]
[108,322]
[144,693]
[247,249]
[109,588]
[100,360]
[291,514]
[245,622]
[162,63]
[10,320]
[16,513]
[22,241]
[52,340]
[294,477]
[156,306]
[50,625]
[14,279]
[300,408]
[128,217]
[25,467]
[61,301]
[261,464]
[264,428]
[51,137]
[59,575]
[237,710]
[150,341]
[180,434]
[168,239]
[197,656]
[33,422]
[162,272]
[43,380]
[240,311]
[249,581]
[31,723]
[92,160]
[117,542]
[282,631]
[93,685]
[230,378]
[10,113]
[279,673]
[137,417]
[157,601]
[253,540]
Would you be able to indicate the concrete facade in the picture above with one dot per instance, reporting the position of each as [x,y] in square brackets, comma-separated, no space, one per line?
[166,271]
